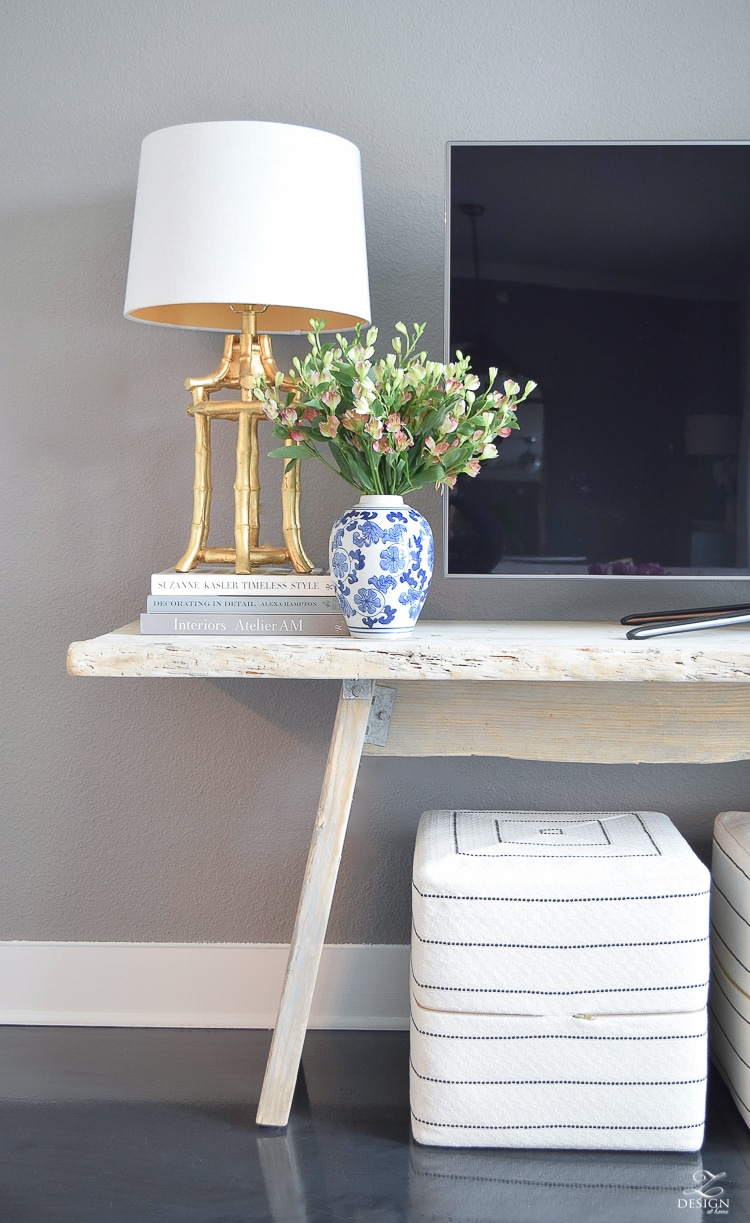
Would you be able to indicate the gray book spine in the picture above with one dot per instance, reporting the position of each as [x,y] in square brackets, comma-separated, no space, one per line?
[217,624]
[260,605]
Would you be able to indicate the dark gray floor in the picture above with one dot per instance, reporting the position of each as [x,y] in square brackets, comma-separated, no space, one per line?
[154,1126]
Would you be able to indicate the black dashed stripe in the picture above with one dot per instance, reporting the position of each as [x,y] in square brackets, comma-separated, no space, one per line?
[465,853]
[558,993]
[555,1035]
[563,900]
[648,834]
[436,942]
[427,1078]
[451,1125]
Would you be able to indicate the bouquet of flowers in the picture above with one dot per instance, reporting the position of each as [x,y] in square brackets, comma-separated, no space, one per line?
[389,426]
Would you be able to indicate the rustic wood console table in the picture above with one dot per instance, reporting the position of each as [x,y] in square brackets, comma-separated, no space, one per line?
[534,691]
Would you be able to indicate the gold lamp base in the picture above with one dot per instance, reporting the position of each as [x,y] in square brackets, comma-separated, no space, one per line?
[245,356]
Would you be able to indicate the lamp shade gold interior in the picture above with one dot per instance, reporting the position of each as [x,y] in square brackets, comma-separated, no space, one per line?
[247,212]
[218,316]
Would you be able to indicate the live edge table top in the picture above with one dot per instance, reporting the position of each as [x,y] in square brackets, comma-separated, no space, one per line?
[506,652]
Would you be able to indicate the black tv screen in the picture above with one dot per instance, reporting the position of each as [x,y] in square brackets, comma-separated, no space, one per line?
[616,277]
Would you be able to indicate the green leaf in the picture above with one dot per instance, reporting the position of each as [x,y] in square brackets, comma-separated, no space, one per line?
[351,465]
[457,457]
[292,452]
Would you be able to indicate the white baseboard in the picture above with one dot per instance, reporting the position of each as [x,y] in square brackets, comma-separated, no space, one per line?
[195,985]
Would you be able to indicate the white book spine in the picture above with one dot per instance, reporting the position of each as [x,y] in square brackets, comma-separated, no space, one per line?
[265,584]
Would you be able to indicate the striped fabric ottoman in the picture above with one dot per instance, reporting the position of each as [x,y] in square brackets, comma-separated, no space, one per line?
[730,958]
[559,976]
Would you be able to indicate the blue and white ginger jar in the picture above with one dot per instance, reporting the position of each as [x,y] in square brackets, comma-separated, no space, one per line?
[382,553]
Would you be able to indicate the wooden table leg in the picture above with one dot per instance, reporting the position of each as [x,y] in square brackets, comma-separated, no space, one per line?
[315,901]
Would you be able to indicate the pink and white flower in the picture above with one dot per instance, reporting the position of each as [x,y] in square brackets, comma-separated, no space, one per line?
[436,450]
[374,427]
[329,426]
[331,398]
[351,422]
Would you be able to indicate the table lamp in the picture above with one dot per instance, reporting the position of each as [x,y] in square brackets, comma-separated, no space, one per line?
[240,225]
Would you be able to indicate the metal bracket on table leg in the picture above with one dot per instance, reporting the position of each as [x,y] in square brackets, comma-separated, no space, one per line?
[378,724]
[358,689]
[381,707]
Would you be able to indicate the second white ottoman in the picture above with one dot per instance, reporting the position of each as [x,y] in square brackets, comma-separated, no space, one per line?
[730,944]
[559,981]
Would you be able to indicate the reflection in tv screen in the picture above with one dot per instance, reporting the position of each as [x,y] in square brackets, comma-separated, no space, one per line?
[616,277]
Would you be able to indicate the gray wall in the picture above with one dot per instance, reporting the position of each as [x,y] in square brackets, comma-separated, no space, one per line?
[180,809]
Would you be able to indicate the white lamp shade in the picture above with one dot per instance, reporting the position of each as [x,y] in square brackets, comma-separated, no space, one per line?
[243,212]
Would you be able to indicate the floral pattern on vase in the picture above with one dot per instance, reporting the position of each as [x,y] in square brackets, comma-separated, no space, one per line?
[382,553]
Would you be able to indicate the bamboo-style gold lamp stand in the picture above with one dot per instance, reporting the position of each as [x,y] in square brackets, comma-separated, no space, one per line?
[245,356]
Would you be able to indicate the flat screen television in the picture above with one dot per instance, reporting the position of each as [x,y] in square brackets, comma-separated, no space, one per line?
[616,276]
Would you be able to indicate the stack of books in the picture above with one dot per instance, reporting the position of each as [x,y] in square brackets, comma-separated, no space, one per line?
[212,602]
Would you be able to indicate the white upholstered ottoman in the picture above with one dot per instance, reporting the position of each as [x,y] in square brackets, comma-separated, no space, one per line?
[559,981]
[730,946]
